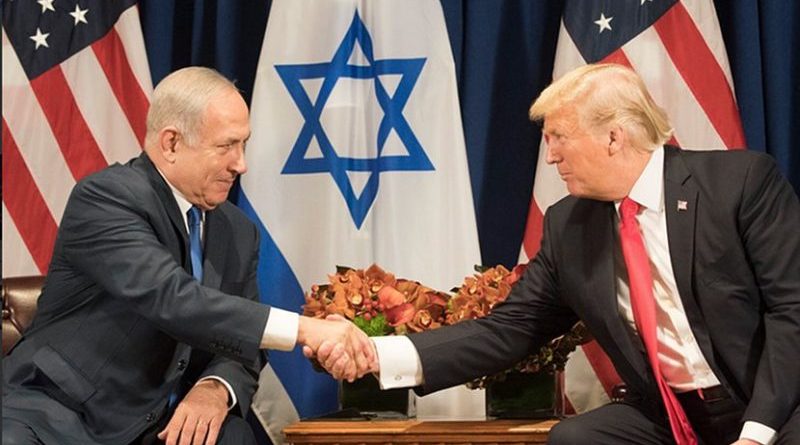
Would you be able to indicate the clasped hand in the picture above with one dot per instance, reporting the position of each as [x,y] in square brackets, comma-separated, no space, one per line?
[339,346]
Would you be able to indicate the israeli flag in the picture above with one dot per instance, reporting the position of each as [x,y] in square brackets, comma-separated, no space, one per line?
[357,157]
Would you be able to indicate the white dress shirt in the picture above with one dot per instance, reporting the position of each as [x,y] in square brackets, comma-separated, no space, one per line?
[682,362]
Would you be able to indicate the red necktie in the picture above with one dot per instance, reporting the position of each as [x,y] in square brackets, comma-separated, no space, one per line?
[644,314]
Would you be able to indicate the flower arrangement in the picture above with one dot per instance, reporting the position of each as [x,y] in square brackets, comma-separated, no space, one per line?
[479,293]
[381,304]
[476,297]
[377,302]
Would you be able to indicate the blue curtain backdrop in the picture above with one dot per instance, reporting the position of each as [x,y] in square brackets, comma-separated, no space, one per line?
[504,57]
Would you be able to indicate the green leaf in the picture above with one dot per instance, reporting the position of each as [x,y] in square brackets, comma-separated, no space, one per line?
[374,327]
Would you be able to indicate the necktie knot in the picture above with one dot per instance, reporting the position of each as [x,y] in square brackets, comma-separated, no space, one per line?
[195,216]
[628,209]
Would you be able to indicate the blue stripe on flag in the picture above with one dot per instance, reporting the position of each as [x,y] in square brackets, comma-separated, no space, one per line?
[313,393]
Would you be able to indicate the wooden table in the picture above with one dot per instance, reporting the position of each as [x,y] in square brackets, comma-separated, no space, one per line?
[418,432]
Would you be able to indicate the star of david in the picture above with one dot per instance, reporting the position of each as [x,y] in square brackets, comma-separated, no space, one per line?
[392,107]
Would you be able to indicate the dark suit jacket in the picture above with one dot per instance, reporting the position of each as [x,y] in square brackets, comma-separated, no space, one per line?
[120,315]
[736,257]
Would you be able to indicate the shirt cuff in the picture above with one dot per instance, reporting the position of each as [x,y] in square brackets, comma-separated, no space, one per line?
[758,432]
[400,366]
[281,330]
[232,400]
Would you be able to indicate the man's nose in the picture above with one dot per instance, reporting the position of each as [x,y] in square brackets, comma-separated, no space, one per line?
[551,155]
[239,164]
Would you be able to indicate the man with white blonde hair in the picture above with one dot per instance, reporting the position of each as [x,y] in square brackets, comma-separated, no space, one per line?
[685,266]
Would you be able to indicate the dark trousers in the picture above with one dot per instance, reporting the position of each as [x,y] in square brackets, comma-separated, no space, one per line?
[18,433]
[716,423]
[234,431]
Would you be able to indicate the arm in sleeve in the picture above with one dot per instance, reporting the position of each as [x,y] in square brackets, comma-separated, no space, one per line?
[279,335]
[108,234]
[400,366]
[531,315]
[240,379]
[769,217]
[758,432]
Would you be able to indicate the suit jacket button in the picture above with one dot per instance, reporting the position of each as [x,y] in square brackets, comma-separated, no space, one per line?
[151,417]
[181,364]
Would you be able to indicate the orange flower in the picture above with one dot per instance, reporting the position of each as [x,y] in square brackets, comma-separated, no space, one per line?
[381,304]
[423,320]
[398,311]
[481,292]
[372,295]
[377,301]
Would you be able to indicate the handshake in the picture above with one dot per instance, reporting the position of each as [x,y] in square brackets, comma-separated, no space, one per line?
[339,346]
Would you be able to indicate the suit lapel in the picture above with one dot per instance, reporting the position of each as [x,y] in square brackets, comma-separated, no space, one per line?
[681,201]
[165,195]
[217,239]
[680,205]
[601,285]
[601,239]
[217,228]
[145,165]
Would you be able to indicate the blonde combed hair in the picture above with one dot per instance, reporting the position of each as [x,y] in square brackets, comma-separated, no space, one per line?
[181,98]
[607,94]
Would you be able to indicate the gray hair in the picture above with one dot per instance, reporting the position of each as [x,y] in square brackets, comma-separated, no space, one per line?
[608,94]
[181,98]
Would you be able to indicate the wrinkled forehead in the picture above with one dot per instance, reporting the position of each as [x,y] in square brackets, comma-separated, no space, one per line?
[227,108]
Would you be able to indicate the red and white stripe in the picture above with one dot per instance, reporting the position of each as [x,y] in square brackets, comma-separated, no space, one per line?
[683,62]
[71,121]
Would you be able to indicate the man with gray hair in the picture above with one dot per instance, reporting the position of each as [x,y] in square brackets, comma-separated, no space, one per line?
[685,266]
[149,328]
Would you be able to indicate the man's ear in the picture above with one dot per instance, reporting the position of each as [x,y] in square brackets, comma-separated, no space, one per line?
[616,139]
[167,141]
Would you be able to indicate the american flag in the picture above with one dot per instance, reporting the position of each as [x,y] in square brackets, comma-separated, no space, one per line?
[76,88]
[677,48]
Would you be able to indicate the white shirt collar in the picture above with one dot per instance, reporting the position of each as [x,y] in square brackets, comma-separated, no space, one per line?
[648,190]
[183,204]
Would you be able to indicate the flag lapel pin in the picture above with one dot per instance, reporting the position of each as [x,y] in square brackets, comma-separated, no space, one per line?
[683,205]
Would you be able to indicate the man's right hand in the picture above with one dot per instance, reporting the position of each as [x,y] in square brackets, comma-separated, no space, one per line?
[343,349]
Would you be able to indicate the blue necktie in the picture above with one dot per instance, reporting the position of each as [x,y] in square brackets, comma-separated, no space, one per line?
[195,247]
[196,250]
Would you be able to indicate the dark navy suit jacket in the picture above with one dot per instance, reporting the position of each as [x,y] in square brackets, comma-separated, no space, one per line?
[121,322]
[735,253]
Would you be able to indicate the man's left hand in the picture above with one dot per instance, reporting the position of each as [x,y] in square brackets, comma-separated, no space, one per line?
[199,416]
[746,442]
